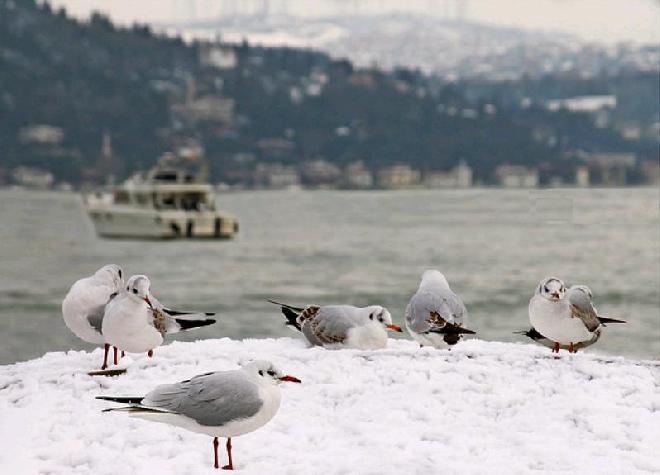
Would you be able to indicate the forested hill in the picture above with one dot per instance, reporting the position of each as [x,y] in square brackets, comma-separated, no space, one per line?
[279,104]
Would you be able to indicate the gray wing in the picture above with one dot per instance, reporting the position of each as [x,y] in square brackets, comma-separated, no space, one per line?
[212,399]
[429,309]
[95,317]
[582,308]
[328,326]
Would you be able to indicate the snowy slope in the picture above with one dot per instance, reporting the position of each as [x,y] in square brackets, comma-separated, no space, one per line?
[483,407]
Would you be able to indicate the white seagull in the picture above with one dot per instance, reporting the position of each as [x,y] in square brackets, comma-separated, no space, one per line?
[84,306]
[566,319]
[363,328]
[136,322]
[222,404]
[435,315]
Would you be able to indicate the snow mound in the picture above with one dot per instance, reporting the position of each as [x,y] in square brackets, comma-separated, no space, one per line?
[482,407]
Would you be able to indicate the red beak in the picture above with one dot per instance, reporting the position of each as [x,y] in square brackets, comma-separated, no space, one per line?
[394,328]
[290,379]
[146,299]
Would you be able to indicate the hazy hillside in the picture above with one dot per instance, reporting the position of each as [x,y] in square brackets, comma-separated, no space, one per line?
[152,93]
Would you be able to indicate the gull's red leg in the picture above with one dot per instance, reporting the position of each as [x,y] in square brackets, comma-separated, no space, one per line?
[230,465]
[150,353]
[556,348]
[114,354]
[122,354]
[215,451]
[105,355]
[571,349]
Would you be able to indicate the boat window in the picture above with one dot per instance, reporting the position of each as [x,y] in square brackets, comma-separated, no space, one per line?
[165,176]
[168,201]
[142,199]
[192,201]
[121,197]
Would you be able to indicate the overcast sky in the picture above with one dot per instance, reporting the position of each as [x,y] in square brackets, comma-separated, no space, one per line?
[601,20]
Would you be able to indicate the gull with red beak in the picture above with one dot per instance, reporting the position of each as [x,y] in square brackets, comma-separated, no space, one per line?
[136,322]
[221,404]
[363,328]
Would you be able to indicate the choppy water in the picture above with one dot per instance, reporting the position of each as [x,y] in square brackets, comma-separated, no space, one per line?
[356,247]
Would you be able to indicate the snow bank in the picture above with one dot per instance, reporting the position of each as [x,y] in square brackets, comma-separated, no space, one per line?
[482,407]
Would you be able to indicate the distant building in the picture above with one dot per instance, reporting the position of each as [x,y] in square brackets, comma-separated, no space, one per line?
[320,173]
[34,178]
[611,168]
[599,106]
[516,176]
[217,56]
[398,176]
[214,109]
[275,175]
[582,177]
[458,177]
[41,134]
[357,175]
[650,171]
[592,103]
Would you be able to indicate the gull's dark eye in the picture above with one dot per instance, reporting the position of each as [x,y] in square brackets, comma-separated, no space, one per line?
[371,316]
[380,318]
[546,288]
[135,291]
[261,373]
[271,372]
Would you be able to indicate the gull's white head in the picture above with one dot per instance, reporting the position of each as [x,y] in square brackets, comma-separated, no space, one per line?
[433,279]
[551,288]
[110,275]
[266,372]
[381,316]
[138,288]
[583,288]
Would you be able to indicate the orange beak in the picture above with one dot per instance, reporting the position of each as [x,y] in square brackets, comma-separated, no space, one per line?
[290,379]
[394,328]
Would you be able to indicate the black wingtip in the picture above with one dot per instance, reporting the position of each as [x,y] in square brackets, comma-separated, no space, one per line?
[610,320]
[290,313]
[122,400]
[190,324]
[449,329]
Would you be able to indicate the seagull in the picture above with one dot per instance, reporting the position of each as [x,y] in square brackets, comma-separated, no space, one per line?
[84,306]
[221,404]
[135,321]
[435,315]
[363,328]
[566,318]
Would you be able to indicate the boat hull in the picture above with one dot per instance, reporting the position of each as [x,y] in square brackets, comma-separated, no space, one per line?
[131,223]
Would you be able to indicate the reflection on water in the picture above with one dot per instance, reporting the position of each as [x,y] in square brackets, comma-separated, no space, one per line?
[355,247]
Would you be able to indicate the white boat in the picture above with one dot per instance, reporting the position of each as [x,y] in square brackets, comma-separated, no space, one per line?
[168,203]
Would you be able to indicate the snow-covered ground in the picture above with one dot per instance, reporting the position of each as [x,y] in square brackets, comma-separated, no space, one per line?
[482,407]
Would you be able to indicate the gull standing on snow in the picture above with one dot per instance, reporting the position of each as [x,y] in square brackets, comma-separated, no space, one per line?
[222,404]
[363,328]
[84,306]
[435,315]
[136,322]
[566,319]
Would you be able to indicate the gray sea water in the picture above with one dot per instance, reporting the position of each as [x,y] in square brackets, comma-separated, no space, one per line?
[348,247]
